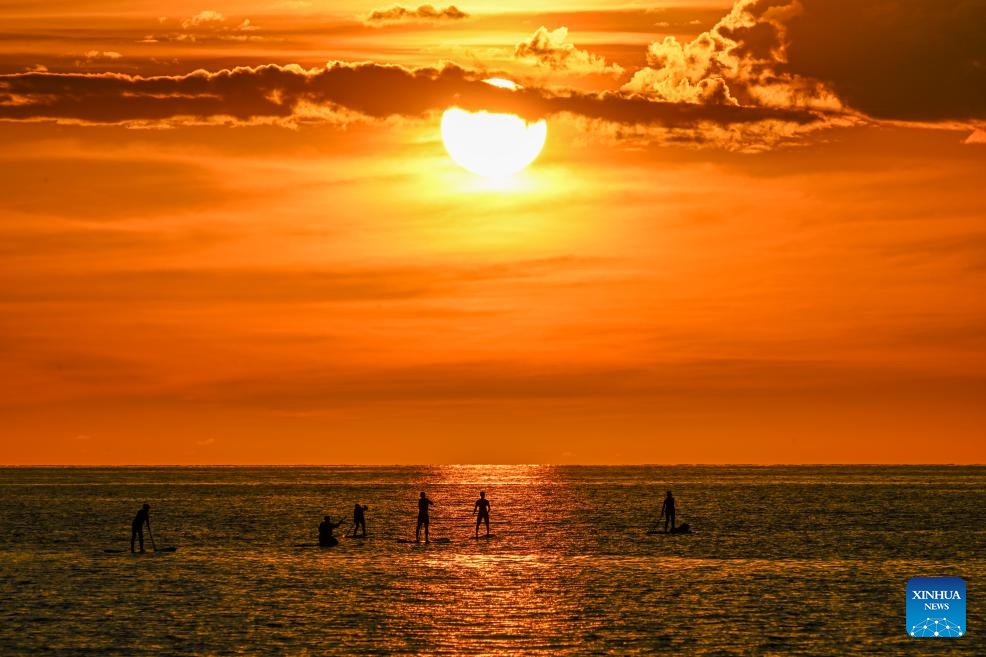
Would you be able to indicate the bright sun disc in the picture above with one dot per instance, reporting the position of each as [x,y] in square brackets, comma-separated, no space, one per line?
[492,145]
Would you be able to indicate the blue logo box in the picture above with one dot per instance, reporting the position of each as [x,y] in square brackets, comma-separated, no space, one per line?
[936,607]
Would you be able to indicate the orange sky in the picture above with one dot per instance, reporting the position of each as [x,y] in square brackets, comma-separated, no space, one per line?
[231,234]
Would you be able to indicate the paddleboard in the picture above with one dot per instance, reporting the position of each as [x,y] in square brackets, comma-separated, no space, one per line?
[434,540]
[679,530]
[166,550]
[482,536]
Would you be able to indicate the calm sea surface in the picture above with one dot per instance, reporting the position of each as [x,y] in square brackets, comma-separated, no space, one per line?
[782,561]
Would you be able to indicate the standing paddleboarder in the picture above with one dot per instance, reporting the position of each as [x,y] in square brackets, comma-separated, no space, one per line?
[482,507]
[423,504]
[668,512]
[359,519]
[142,518]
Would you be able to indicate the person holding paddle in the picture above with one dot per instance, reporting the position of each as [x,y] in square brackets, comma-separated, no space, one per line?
[142,518]
[325,537]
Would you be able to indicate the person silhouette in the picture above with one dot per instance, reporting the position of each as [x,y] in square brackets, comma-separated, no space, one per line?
[359,519]
[668,512]
[423,504]
[325,537]
[142,518]
[482,506]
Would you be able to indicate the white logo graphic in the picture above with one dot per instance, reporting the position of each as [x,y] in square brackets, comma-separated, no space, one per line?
[936,627]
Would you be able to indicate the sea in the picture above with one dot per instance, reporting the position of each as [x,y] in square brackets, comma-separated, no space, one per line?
[795,560]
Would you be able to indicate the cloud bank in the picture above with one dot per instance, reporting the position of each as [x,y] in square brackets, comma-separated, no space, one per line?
[291,94]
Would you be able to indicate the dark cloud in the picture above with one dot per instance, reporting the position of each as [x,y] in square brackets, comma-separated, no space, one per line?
[242,93]
[908,59]
[424,13]
[291,93]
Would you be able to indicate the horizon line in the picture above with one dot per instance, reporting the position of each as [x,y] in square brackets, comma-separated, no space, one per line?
[494,465]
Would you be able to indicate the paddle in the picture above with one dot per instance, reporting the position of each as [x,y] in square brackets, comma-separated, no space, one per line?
[151,534]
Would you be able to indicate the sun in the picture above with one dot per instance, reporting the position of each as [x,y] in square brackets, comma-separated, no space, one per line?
[489,144]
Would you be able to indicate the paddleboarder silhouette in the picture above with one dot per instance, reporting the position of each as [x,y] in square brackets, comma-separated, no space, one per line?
[325,537]
[668,512]
[482,507]
[359,519]
[142,518]
[423,504]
